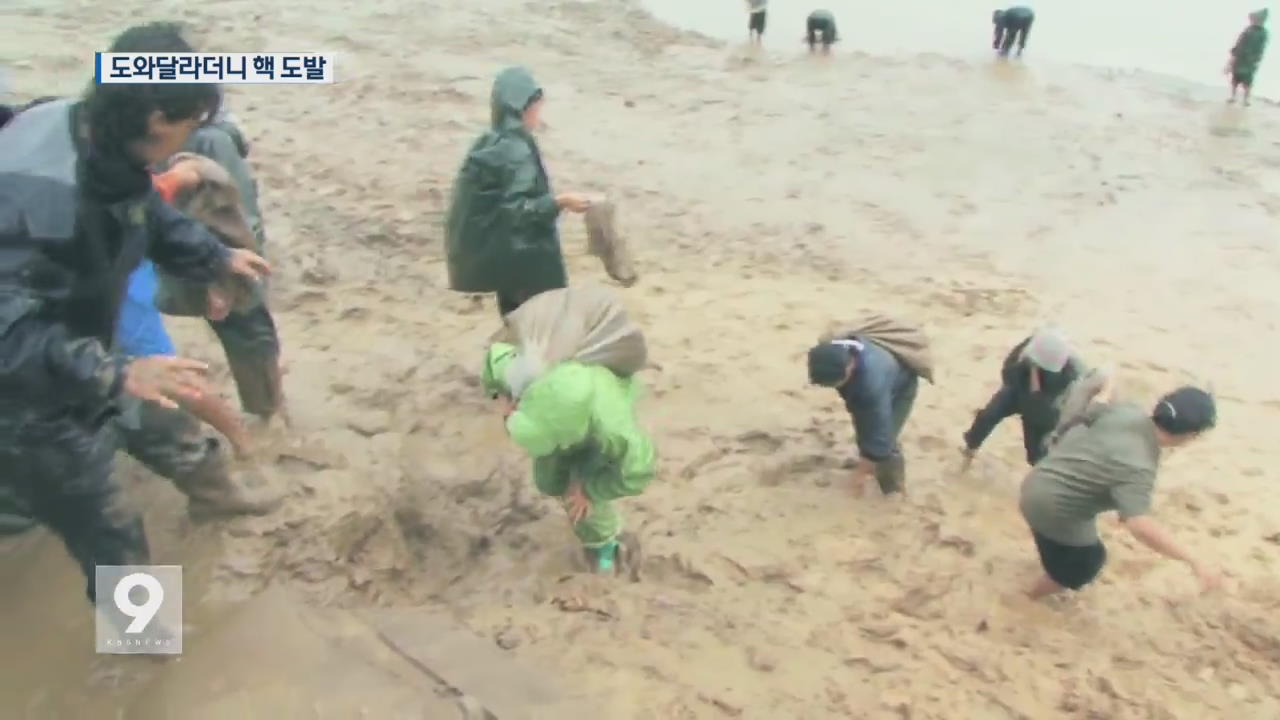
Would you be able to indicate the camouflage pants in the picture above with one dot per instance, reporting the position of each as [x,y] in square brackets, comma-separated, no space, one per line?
[252,347]
[171,444]
[60,474]
[552,475]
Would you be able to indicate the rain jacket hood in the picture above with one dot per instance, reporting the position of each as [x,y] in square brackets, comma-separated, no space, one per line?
[512,91]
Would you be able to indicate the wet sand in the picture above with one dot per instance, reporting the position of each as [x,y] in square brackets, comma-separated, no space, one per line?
[764,197]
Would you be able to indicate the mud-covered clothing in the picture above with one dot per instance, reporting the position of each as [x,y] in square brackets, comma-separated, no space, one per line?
[820,27]
[1038,410]
[249,336]
[1107,462]
[1012,25]
[74,224]
[879,398]
[501,229]
[1247,53]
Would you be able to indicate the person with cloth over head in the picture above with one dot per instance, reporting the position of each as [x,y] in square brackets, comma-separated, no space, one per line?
[878,390]
[568,392]
[1107,460]
[820,27]
[500,233]
[1034,380]
[77,214]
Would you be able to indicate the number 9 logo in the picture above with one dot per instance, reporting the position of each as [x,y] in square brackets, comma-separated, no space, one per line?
[141,614]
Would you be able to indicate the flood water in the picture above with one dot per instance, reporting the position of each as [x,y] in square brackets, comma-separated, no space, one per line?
[1188,40]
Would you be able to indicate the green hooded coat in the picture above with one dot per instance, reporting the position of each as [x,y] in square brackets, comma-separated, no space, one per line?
[501,229]
[578,422]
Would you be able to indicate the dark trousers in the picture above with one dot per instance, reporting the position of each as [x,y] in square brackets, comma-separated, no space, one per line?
[252,347]
[60,473]
[1011,32]
[171,444]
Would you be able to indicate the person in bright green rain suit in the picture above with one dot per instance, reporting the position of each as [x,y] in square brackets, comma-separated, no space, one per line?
[500,234]
[578,423]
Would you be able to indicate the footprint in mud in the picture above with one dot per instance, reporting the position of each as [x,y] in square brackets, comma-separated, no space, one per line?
[816,466]
[759,441]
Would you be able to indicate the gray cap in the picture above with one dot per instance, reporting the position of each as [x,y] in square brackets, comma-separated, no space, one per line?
[1048,349]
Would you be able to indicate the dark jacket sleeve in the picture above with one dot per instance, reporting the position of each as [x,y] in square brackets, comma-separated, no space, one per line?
[523,202]
[181,245]
[37,354]
[1001,406]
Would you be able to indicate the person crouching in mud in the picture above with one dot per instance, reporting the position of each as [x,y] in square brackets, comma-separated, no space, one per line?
[500,234]
[820,27]
[1035,378]
[1107,460]
[1012,25]
[578,423]
[879,391]
[1246,55]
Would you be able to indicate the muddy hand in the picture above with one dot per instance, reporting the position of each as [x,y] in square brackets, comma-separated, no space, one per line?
[164,380]
[249,264]
[577,503]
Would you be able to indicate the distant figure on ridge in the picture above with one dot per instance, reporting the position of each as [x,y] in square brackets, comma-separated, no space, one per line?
[1012,24]
[757,11]
[821,22]
[1246,55]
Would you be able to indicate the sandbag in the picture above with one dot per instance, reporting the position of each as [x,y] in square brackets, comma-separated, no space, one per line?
[604,242]
[586,324]
[907,342]
[215,202]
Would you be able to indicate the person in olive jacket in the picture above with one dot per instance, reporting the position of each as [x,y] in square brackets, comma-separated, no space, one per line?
[501,230]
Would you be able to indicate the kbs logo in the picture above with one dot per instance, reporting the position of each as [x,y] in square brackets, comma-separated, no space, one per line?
[139,609]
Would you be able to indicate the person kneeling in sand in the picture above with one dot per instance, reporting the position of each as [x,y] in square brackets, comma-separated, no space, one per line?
[1107,460]
[820,27]
[879,390]
[1035,378]
[1013,24]
[578,423]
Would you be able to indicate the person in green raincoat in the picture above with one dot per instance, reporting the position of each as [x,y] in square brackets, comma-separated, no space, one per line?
[578,423]
[500,232]
[1246,55]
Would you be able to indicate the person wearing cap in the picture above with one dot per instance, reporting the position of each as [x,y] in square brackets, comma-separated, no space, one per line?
[1012,24]
[1246,55]
[1106,461]
[879,391]
[1033,380]
[578,423]
[500,232]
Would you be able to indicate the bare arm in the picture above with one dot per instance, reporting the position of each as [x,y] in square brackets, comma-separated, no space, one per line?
[1150,533]
[217,414]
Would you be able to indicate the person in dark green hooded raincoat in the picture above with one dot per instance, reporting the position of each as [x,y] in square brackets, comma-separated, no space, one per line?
[501,230]
[1246,55]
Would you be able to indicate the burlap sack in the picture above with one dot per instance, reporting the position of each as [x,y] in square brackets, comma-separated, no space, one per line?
[215,202]
[587,324]
[906,341]
[604,242]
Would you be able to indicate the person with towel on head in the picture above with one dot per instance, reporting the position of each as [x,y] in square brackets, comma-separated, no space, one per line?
[1107,460]
[820,26]
[1034,381]
[878,390]
[1013,24]
[500,233]
[1246,55]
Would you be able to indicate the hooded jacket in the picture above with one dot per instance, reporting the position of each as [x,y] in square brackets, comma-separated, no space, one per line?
[501,228]
[581,413]
[61,286]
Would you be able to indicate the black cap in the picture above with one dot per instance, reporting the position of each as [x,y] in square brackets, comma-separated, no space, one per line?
[1185,411]
[828,364]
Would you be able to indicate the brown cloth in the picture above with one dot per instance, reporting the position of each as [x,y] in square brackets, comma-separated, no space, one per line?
[604,242]
[584,323]
[215,202]
[906,341]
